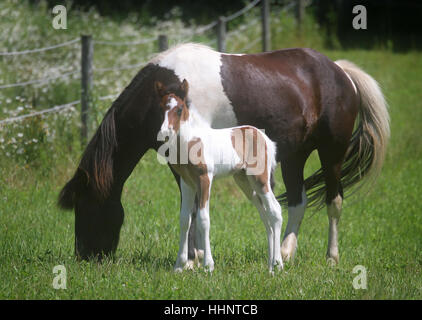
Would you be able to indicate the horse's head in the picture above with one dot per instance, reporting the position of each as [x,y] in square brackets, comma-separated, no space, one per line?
[173,106]
[97,221]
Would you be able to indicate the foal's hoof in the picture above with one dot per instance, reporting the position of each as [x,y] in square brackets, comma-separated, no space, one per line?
[209,268]
[276,268]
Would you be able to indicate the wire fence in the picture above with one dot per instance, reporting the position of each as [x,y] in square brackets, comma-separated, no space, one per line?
[64,44]
[80,73]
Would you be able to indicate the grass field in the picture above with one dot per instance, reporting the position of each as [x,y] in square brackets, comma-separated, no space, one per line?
[380,230]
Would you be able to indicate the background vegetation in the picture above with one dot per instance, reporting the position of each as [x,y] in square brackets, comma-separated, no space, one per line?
[380,230]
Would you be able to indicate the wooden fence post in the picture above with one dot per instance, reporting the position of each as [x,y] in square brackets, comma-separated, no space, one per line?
[221,34]
[300,11]
[265,18]
[86,85]
[163,43]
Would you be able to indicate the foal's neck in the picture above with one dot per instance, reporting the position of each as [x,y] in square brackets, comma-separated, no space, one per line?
[194,125]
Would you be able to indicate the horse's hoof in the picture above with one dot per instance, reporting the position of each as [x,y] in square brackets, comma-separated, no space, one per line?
[332,261]
[190,265]
[288,248]
[199,254]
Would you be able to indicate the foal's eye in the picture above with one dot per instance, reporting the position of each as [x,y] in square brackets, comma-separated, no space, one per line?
[179,112]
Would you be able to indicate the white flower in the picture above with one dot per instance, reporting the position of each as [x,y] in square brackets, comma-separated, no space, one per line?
[20,135]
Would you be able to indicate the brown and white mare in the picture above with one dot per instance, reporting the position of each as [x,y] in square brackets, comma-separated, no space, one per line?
[303,101]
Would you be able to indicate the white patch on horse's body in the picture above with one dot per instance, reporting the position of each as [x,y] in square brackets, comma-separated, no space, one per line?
[218,152]
[334,213]
[296,213]
[200,66]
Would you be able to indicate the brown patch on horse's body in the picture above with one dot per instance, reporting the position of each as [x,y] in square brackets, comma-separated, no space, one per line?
[298,97]
[195,172]
[248,152]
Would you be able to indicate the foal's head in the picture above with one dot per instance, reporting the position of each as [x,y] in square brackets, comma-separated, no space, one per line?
[173,105]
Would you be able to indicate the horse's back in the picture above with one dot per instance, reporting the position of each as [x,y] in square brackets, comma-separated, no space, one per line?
[286,92]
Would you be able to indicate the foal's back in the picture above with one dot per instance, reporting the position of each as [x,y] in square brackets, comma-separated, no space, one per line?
[239,148]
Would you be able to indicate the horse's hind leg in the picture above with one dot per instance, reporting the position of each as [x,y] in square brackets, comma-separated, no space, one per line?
[331,164]
[273,214]
[242,181]
[292,171]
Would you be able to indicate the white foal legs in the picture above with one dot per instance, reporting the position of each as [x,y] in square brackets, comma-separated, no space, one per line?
[296,213]
[334,213]
[270,236]
[203,221]
[272,211]
[244,184]
[200,243]
[188,199]
[204,224]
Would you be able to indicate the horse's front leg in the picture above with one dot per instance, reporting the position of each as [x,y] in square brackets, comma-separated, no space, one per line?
[188,199]
[203,218]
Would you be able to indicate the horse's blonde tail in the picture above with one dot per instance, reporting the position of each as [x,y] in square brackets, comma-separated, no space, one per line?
[369,142]
[365,155]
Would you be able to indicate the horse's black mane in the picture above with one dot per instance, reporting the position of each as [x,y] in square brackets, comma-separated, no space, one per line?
[95,170]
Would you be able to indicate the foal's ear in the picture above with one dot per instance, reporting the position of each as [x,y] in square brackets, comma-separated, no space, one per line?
[184,87]
[159,88]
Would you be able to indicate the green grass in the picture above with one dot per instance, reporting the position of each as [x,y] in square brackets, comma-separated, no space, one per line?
[380,230]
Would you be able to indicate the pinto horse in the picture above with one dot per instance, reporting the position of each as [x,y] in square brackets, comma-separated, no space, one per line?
[243,152]
[303,101]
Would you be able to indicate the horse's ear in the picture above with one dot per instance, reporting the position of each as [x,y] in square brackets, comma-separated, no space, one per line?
[184,87]
[159,88]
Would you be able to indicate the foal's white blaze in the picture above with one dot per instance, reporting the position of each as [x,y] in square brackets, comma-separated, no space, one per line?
[172,103]
[206,93]
[167,130]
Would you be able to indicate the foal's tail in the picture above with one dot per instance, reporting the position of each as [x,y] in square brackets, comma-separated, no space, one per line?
[365,155]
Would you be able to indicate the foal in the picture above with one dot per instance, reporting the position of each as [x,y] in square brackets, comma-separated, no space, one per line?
[244,152]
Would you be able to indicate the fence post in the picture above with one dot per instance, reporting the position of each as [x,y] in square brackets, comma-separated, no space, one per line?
[163,43]
[265,17]
[221,34]
[300,10]
[86,85]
